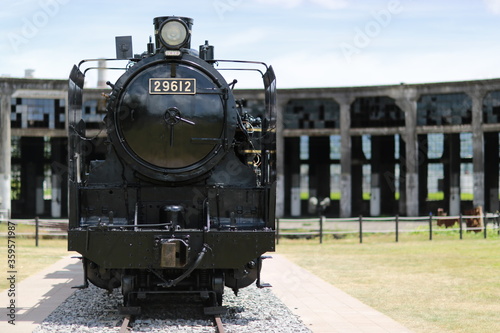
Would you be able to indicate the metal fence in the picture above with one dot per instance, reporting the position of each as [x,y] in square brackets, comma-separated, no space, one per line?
[315,227]
[321,226]
[44,228]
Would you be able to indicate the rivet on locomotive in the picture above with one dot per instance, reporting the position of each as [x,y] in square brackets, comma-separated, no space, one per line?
[183,200]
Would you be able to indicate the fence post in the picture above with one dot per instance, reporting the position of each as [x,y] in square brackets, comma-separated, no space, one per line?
[397,228]
[430,226]
[498,224]
[321,220]
[36,231]
[278,230]
[460,225]
[360,229]
[485,225]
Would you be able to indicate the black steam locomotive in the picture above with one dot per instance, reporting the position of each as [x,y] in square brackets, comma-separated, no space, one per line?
[184,200]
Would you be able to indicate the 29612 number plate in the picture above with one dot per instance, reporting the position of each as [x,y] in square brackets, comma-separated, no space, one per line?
[172,86]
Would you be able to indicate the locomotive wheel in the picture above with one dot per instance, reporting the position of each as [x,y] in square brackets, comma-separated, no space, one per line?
[218,286]
[128,285]
[100,277]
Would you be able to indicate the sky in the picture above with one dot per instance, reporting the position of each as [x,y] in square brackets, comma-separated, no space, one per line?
[309,43]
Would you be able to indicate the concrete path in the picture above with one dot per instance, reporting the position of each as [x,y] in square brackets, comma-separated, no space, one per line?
[40,294]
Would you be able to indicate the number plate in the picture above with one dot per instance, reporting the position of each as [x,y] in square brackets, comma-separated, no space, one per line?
[172,86]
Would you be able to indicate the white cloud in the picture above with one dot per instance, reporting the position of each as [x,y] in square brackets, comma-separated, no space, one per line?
[493,6]
[328,4]
[331,4]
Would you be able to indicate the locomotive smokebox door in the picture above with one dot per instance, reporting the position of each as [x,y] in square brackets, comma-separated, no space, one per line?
[174,253]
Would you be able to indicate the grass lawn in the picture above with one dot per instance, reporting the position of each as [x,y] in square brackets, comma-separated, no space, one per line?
[29,258]
[444,285]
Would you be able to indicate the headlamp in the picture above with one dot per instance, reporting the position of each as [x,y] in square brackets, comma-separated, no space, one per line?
[174,33]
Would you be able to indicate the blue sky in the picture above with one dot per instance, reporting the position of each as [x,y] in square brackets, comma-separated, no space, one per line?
[310,43]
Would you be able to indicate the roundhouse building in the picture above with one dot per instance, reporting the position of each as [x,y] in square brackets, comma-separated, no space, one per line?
[404,149]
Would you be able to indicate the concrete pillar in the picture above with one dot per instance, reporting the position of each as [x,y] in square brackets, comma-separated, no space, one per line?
[477,147]
[407,101]
[5,153]
[345,156]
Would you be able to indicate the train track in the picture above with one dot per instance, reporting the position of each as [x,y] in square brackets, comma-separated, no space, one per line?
[218,323]
[254,310]
[128,321]
[125,324]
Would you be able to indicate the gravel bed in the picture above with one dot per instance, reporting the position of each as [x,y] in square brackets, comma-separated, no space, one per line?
[94,310]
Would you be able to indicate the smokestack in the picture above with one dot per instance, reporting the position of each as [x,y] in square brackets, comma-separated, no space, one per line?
[101,73]
[29,73]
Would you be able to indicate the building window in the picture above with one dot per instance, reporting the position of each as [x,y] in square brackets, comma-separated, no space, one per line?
[367,181]
[311,113]
[465,145]
[466,182]
[37,113]
[304,182]
[47,182]
[15,146]
[93,113]
[335,192]
[435,145]
[491,108]
[444,109]
[380,111]
[15,182]
[335,147]
[435,177]
[367,145]
[304,148]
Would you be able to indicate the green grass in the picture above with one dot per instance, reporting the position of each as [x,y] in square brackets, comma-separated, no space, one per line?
[437,196]
[444,285]
[29,259]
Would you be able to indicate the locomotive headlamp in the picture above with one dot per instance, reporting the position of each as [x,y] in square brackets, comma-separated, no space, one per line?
[174,34]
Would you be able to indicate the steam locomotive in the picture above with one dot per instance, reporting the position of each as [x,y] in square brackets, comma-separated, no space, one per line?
[184,200]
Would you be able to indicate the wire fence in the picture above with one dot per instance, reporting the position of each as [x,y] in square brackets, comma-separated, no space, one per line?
[360,226]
